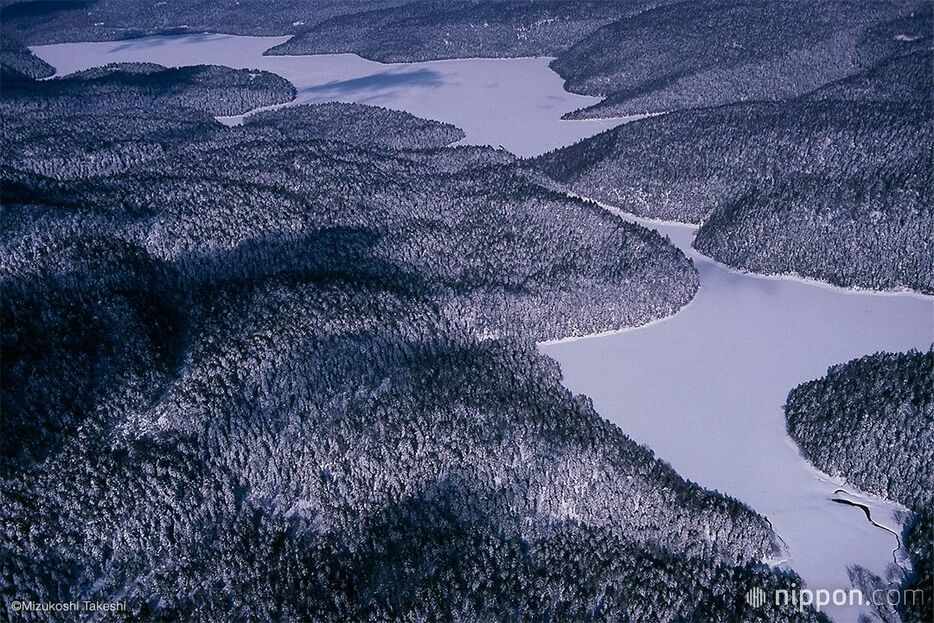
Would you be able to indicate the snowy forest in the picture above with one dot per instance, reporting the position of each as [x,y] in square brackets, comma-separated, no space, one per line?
[641,55]
[285,344]
[871,421]
[270,360]
[835,185]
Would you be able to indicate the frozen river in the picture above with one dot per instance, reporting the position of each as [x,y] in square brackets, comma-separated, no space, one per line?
[704,389]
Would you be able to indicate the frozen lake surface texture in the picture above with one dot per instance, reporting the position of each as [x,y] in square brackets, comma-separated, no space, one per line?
[705,388]
[515,103]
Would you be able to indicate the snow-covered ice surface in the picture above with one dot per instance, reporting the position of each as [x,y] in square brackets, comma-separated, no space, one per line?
[514,103]
[704,389]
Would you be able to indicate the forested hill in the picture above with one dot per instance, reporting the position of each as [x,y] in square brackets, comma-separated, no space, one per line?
[420,31]
[294,377]
[105,120]
[356,124]
[713,52]
[421,197]
[871,422]
[210,88]
[835,185]
[17,61]
[906,79]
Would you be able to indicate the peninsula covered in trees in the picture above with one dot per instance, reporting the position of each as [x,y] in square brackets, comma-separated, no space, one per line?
[356,124]
[16,61]
[871,422]
[212,89]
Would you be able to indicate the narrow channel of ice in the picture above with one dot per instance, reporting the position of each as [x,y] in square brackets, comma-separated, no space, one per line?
[705,388]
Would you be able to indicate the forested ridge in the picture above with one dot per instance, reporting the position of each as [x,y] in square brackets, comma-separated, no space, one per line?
[421,31]
[834,185]
[277,375]
[356,124]
[208,88]
[871,422]
[16,61]
[104,120]
[714,52]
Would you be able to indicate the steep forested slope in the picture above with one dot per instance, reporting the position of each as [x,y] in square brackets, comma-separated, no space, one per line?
[905,79]
[264,372]
[871,421]
[910,31]
[712,52]
[421,31]
[834,185]
[16,60]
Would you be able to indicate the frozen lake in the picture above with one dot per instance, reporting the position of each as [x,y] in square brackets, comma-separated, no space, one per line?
[516,103]
[704,389]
